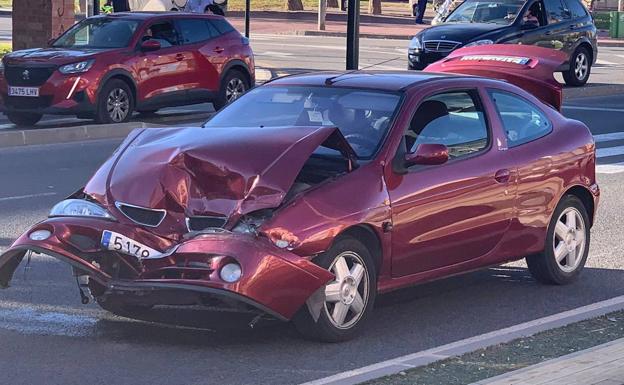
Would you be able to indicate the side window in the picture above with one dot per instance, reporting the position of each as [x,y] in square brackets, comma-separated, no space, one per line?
[222,25]
[556,11]
[522,121]
[195,30]
[455,119]
[576,9]
[163,32]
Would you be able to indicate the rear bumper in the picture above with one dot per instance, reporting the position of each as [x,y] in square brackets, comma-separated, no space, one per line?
[274,281]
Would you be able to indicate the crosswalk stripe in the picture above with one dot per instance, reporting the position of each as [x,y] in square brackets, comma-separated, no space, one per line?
[613,168]
[609,151]
[609,137]
[605,62]
[593,108]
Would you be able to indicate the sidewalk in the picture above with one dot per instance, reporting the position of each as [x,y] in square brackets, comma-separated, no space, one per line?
[388,26]
[601,365]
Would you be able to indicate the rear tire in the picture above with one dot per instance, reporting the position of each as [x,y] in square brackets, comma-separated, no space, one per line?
[24,119]
[233,86]
[580,68]
[567,244]
[115,102]
[348,300]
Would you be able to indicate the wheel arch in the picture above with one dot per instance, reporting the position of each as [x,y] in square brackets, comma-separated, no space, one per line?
[586,197]
[585,43]
[368,236]
[237,65]
[122,75]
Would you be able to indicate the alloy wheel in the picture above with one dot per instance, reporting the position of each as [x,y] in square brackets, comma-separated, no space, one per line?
[118,105]
[569,241]
[581,66]
[347,296]
[234,89]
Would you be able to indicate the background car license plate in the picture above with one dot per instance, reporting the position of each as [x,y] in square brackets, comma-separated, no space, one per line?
[24,91]
[118,242]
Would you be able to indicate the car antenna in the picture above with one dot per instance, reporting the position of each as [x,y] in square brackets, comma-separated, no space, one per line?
[331,80]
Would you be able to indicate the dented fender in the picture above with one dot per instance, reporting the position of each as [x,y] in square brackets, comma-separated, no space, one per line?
[273,280]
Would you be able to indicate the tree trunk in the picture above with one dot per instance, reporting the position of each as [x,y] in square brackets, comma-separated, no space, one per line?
[374,7]
[332,3]
[294,5]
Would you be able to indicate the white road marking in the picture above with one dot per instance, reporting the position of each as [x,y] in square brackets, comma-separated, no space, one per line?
[453,349]
[593,108]
[609,151]
[609,137]
[614,168]
[47,194]
[604,62]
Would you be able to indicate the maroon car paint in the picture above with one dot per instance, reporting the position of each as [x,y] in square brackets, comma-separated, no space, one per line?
[428,223]
[536,76]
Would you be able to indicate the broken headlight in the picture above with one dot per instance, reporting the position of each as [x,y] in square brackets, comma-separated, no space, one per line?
[249,223]
[79,208]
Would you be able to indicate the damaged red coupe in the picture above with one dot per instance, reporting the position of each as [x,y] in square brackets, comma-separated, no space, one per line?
[310,195]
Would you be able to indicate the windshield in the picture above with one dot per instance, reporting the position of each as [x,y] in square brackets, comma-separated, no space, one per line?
[98,32]
[363,116]
[474,11]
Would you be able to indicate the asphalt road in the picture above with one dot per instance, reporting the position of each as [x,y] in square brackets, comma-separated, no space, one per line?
[47,336]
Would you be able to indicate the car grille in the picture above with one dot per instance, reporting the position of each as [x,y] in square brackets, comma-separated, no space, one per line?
[27,76]
[202,223]
[142,215]
[27,103]
[440,45]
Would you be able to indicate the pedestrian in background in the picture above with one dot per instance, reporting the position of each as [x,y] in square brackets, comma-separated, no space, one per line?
[422,6]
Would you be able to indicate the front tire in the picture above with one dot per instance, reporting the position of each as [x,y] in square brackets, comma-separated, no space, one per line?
[233,86]
[580,68]
[348,300]
[115,102]
[567,244]
[24,119]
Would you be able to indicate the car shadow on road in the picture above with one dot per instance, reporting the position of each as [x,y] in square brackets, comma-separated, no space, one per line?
[426,315]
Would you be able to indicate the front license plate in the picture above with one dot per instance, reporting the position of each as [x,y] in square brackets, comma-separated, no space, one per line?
[118,242]
[24,91]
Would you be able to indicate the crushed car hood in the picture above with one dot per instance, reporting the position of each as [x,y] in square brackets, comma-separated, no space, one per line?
[219,172]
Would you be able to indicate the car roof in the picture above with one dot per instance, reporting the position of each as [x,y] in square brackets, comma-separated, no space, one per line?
[378,80]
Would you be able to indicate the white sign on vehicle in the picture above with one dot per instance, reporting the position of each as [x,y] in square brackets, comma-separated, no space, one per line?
[505,59]
[24,91]
[118,242]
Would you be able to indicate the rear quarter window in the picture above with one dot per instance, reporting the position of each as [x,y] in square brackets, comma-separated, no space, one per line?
[577,10]
[222,26]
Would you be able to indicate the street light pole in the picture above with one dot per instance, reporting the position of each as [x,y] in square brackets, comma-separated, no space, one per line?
[353,34]
[96,7]
[247,11]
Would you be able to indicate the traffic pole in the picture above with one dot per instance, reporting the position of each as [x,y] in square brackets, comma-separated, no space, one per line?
[353,34]
[96,7]
[247,15]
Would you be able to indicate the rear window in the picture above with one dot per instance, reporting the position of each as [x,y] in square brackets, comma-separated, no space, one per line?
[222,25]
[576,9]
[196,30]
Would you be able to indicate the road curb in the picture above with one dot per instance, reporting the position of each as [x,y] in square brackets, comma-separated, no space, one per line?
[426,357]
[16,138]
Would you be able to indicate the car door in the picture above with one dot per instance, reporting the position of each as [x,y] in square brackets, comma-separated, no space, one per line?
[198,36]
[557,33]
[446,214]
[527,130]
[164,73]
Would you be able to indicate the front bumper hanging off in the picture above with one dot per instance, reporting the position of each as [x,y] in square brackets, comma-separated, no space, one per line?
[273,280]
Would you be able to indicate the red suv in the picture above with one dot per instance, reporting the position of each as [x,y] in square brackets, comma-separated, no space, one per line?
[108,66]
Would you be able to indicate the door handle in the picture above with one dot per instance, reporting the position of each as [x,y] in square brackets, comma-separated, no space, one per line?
[179,57]
[219,49]
[502,176]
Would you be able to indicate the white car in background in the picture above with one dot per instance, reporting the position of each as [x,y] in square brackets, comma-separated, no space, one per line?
[196,6]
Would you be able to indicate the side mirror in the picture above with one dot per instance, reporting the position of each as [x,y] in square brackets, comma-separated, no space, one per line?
[428,154]
[150,45]
[528,25]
